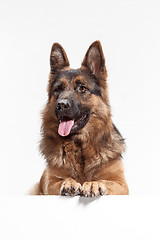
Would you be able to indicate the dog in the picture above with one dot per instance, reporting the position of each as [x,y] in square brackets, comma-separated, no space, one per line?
[82,146]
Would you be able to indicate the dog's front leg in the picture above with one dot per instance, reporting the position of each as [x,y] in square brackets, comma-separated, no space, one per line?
[70,187]
[104,187]
[52,185]
[107,180]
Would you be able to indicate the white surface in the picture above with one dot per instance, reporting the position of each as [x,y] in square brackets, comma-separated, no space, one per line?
[121,217]
[130,36]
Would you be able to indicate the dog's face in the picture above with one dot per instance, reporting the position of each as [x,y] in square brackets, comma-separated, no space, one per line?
[77,96]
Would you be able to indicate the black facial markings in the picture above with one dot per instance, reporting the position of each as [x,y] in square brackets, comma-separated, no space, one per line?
[94,82]
[81,87]
[51,93]
[96,90]
[70,74]
[56,88]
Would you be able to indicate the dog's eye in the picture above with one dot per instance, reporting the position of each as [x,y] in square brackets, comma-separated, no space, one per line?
[58,89]
[82,89]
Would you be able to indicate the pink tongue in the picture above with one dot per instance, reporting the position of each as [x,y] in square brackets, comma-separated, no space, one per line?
[65,127]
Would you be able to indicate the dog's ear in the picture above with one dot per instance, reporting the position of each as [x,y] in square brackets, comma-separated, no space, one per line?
[94,59]
[58,58]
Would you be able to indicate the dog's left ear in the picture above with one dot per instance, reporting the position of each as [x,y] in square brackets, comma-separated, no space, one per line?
[94,59]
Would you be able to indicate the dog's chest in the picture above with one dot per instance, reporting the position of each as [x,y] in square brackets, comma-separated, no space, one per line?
[73,157]
[79,162]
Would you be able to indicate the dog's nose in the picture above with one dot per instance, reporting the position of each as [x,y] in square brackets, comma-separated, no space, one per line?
[63,105]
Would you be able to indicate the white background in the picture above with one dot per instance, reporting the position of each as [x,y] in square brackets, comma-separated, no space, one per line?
[129,31]
[130,35]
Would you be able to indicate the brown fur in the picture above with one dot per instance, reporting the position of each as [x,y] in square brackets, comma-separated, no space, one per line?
[88,162]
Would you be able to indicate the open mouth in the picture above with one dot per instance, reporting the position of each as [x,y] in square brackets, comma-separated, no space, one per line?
[68,125]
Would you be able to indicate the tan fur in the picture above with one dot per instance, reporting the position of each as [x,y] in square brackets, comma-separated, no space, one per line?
[89,162]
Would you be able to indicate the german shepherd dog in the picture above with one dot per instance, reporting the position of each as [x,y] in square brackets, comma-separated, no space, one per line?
[81,145]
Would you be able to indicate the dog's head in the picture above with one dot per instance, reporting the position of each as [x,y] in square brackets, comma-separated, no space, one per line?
[77,96]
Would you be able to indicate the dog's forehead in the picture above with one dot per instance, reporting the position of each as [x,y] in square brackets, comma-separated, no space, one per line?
[69,75]
[72,75]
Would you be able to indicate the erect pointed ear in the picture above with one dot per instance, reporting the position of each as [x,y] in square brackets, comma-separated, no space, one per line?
[58,58]
[94,59]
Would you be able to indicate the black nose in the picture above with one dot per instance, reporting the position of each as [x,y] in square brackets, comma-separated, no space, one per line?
[63,105]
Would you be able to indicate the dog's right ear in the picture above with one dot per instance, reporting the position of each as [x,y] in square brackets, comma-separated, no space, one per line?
[58,58]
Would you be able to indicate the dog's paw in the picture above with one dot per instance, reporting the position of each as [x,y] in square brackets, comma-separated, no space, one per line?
[70,188]
[93,189]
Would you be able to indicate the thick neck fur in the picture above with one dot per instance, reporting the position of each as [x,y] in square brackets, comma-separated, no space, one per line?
[82,150]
